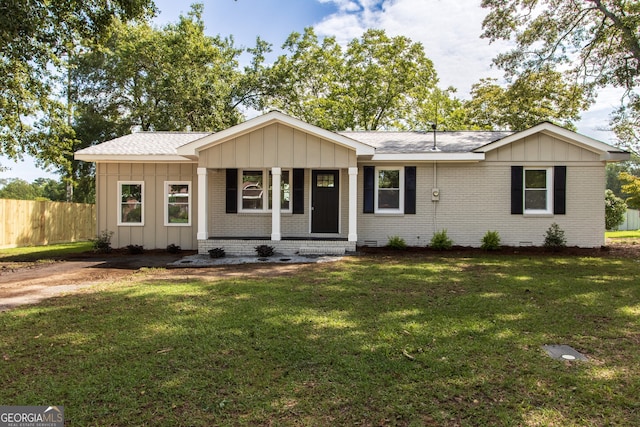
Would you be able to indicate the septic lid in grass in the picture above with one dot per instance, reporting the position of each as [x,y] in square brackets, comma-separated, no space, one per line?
[564,352]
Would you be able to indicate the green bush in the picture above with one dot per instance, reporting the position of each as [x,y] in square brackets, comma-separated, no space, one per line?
[554,239]
[396,242]
[173,248]
[614,210]
[264,251]
[441,241]
[217,253]
[135,249]
[102,243]
[491,241]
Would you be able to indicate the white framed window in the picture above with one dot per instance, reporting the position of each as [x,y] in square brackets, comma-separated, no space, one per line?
[389,195]
[131,203]
[256,187]
[538,187]
[177,203]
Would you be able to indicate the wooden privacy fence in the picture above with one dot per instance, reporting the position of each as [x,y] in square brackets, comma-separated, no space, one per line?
[31,223]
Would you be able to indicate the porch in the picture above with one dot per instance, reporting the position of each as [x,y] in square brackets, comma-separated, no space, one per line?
[245,246]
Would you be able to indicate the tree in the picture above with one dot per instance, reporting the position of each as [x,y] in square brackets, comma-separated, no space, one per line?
[534,97]
[597,41]
[169,79]
[174,78]
[376,82]
[35,39]
[19,189]
[631,188]
[613,170]
[614,210]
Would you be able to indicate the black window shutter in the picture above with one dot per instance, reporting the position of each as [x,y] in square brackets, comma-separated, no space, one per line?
[410,190]
[517,193]
[560,190]
[232,191]
[369,189]
[298,191]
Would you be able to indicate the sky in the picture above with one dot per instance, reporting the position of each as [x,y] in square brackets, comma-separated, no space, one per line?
[449,31]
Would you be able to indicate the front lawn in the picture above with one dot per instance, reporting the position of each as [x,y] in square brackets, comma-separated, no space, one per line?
[371,340]
[625,237]
[39,253]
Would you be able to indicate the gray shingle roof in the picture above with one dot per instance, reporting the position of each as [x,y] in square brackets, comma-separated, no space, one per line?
[421,142]
[144,143]
[166,143]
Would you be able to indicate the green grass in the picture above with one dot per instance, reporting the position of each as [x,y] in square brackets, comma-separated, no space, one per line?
[630,234]
[36,253]
[367,341]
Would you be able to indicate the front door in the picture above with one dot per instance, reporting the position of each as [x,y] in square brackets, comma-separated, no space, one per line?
[325,198]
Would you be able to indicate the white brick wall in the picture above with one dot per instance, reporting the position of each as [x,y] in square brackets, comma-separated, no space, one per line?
[476,197]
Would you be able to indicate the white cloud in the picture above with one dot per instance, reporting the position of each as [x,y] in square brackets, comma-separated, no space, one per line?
[449,31]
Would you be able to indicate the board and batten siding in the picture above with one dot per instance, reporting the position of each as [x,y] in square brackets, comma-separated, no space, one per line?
[277,145]
[475,198]
[153,234]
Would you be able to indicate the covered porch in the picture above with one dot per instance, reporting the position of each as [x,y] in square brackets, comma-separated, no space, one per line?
[241,169]
[318,215]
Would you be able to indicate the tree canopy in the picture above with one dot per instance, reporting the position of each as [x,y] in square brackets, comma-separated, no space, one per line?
[597,41]
[35,38]
[375,82]
[39,189]
[534,97]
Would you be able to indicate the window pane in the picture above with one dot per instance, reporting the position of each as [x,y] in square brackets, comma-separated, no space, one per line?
[178,207]
[388,198]
[389,179]
[131,203]
[252,190]
[535,179]
[285,191]
[535,199]
[325,181]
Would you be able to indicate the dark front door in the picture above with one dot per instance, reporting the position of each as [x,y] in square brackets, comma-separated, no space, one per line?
[325,196]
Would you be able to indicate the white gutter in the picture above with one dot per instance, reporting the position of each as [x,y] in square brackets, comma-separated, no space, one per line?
[429,157]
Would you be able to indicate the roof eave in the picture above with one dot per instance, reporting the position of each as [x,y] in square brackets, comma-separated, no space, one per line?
[133,158]
[437,156]
[615,156]
[556,131]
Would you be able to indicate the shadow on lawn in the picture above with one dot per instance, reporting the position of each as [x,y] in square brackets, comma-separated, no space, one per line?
[397,342]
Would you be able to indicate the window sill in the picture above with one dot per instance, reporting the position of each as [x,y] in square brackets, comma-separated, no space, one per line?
[124,224]
[262,213]
[538,215]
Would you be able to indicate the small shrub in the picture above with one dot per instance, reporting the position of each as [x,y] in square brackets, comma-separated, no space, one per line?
[554,239]
[264,251]
[173,249]
[491,241]
[102,243]
[441,241]
[135,249]
[217,253]
[396,242]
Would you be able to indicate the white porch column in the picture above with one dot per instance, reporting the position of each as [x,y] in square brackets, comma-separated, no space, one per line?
[276,176]
[353,204]
[203,205]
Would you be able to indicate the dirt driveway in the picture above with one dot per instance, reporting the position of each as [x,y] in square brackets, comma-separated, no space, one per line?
[28,283]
